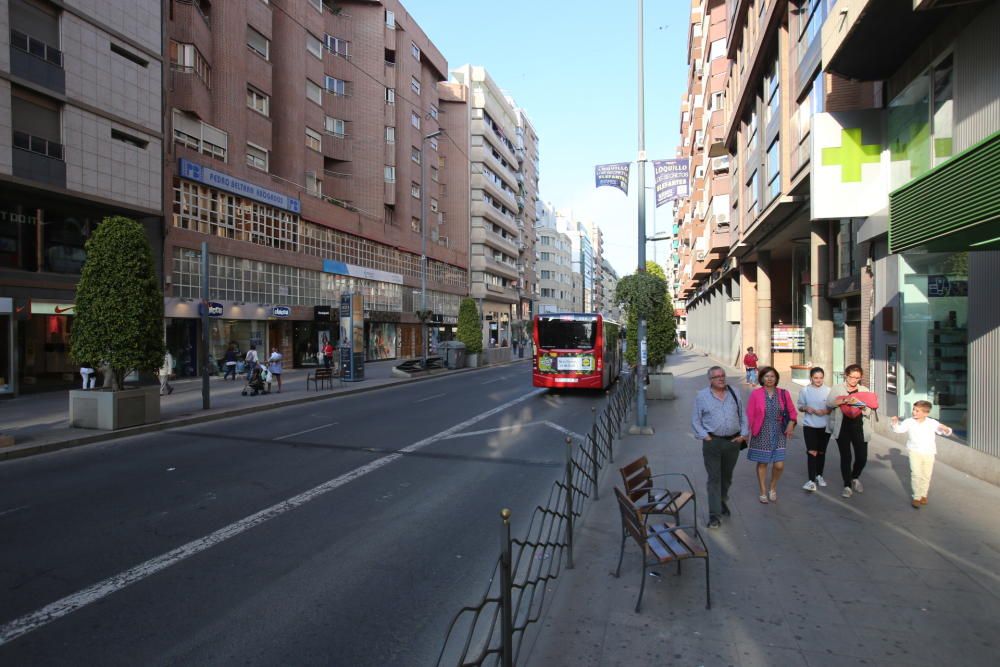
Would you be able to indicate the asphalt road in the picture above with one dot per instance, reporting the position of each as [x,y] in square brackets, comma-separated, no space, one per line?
[341,532]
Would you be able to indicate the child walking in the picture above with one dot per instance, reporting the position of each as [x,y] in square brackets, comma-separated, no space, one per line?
[920,441]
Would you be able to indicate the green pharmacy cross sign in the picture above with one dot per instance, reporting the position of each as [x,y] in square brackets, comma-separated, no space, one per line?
[850,155]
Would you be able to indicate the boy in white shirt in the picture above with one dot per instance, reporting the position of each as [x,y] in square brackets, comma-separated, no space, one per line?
[920,441]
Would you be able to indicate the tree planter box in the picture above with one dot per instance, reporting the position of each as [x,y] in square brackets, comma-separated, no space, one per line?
[472,360]
[112,410]
[661,387]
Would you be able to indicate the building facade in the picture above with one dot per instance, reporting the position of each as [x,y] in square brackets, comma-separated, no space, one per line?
[308,150]
[553,264]
[503,165]
[81,139]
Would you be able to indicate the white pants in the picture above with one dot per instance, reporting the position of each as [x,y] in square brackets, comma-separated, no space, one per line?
[89,378]
[921,467]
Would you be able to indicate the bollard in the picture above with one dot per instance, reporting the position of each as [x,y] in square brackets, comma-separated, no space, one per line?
[506,586]
[569,502]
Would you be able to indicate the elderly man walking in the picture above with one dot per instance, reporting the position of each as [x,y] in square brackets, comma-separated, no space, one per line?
[720,422]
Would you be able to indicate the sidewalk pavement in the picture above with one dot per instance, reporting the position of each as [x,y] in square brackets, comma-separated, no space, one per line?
[40,422]
[813,579]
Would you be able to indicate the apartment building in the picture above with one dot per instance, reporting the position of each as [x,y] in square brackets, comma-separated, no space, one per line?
[553,264]
[609,283]
[306,151]
[503,163]
[80,140]
[927,227]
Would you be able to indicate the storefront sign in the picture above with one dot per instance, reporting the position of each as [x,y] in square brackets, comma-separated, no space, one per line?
[344,269]
[321,313]
[215,309]
[786,338]
[195,172]
[850,158]
[44,308]
[281,311]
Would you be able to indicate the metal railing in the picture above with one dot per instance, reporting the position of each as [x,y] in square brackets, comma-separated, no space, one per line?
[491,631]
[36,47]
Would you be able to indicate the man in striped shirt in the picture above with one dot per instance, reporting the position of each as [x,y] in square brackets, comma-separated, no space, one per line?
[720,422]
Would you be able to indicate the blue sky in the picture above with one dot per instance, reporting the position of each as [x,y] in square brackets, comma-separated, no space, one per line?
[573,67]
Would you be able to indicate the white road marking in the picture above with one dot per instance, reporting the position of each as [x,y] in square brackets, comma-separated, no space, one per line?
[468,434]
[502,377]
[14,509]
[102,589]
[308,430]
[429,398]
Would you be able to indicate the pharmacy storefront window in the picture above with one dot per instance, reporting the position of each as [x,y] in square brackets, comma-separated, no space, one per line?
[934,336]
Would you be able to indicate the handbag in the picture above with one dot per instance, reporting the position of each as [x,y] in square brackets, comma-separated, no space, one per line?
[739,414]
[785,417]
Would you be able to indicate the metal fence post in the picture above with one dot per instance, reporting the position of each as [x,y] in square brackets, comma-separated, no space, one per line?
[506,585]
[593,452]
[569,501]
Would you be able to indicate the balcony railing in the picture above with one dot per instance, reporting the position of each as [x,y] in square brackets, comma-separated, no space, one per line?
[36,47]
[29,142]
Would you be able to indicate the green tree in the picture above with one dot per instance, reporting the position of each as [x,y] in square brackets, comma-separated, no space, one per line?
[645,294]
[119,303]
[470,330]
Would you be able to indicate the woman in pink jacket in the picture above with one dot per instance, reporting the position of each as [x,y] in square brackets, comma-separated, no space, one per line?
[772,416]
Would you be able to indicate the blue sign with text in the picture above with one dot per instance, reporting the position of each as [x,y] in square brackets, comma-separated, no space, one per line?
[195,172]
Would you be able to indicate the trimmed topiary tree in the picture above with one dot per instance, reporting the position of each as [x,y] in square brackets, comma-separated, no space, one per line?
[470,331]
[645,294]
[119,303]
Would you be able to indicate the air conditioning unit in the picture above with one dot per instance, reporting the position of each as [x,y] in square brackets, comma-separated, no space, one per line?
[444,241]
[700,255]
[722,222]
[720,164]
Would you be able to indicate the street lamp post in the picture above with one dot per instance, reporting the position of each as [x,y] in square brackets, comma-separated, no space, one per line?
[423,314]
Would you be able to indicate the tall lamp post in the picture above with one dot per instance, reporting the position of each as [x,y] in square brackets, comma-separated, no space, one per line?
[641,428]
[423,314]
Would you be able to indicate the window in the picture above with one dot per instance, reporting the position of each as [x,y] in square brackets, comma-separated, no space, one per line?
[131,139]
[200,136]
[390,134]
[389,214]
[390,19]
[338,47]
[415,119]
[415,50]
[314,92]
[753,188]
[258,101]
[336,86]
[188,59]
[772,99]
[390,174]
[314,185]
[433,141]
[415,190]
[314,140]
[433,112]
[35,30]
[435,174]
[752,131]
[414,85]
[314,46]
[774,170]
[415,224]
[128,55]
[256,156]
[390,95]
[258,43]
[434,205]
[415,154]
[335,126]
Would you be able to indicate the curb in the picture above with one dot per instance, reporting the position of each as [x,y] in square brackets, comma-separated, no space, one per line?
[31,449]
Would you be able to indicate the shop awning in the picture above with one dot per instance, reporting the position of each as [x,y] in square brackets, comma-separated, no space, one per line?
[953,207]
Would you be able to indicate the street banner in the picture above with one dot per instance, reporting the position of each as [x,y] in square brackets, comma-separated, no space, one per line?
[614,175]
[671,180]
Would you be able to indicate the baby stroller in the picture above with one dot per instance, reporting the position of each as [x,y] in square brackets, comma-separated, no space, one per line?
[259,380]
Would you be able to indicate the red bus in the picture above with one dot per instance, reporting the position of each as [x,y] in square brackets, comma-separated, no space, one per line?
[579,350]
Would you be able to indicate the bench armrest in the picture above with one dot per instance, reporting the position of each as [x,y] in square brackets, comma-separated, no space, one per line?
[676,474]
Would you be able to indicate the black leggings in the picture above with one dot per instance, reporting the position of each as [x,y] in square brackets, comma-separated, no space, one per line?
[852,436]
[817,440]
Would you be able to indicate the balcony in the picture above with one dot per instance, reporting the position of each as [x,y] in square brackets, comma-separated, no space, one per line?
[38,159]
[36,61]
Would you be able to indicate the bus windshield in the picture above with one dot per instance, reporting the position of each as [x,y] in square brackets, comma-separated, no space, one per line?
[566,333]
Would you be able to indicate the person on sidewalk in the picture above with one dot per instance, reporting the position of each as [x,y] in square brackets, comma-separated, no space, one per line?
[251,361]
[750,362]
[327,353]
[274,366]
[772,418]
[815,421]
[851,425]
[720,423]
[165,370]
[920,430]
[230,363]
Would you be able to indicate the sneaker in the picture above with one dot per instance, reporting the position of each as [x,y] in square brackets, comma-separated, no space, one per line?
[820,481]
[847,493]
[915,504]
[857,486]
[809,486]
[714,522]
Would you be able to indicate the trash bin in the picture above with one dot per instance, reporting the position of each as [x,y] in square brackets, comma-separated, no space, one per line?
[454,353]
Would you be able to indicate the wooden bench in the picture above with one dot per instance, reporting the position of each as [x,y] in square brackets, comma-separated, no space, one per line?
[657,498]
[319,377]
[659,544]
